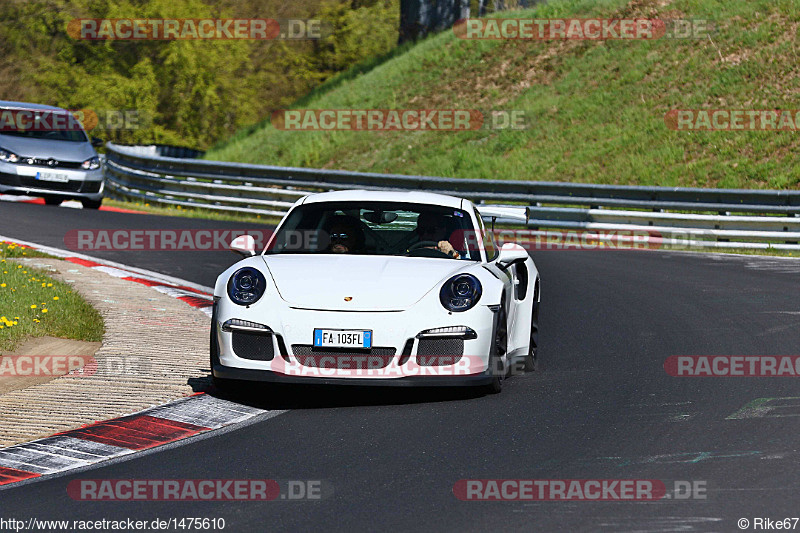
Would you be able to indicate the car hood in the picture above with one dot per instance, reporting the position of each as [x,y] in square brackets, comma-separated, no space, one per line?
[382,283]
[47,149]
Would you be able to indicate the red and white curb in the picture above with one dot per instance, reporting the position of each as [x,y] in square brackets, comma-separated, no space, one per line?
[117,437]
[103,441]
[193,294]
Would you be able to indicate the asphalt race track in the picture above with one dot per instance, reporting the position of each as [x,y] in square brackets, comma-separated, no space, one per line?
[601,407]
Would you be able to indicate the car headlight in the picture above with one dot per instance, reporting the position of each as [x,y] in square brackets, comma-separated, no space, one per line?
[246,286]
[8,156]
[460,292]
[91,164]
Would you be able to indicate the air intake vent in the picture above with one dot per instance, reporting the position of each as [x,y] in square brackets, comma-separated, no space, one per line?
[439,352]
[255,346]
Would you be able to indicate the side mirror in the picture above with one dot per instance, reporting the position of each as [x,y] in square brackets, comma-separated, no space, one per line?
[510,255]
[245,245]
[97,142]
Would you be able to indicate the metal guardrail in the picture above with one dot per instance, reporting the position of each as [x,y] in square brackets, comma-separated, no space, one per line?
[693,217]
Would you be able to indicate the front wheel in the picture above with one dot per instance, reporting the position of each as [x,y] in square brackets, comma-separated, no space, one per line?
[222,385]
[499,348]
[91,204]
[531,361]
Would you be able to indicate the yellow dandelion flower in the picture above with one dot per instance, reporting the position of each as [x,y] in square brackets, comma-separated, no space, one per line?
[33,306]
[44,310]
[3,285]
[49,284]
[55,297]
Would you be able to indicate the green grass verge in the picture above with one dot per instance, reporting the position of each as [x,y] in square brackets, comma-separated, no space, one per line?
[177,211]
[597,108]
[35,305]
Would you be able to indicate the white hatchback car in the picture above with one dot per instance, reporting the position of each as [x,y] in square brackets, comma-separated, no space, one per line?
[44,151]
[378,288]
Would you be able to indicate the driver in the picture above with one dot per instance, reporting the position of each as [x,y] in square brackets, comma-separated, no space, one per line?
[433,227]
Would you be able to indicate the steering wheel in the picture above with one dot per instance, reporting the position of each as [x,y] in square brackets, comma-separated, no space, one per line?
[429,246]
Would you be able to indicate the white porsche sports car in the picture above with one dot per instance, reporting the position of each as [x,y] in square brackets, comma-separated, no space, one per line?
[378,288]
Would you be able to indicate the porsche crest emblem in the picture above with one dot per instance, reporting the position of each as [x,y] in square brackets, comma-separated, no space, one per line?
[348,298]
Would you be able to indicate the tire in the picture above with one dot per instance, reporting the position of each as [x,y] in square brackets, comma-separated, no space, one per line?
[226,386]
[53,200]
[91,204]
[499,347]
[531,360]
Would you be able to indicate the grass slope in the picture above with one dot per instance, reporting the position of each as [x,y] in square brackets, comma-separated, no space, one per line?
[597,108]
[35,305]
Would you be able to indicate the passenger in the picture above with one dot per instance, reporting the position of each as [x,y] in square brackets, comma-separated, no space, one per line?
[345,236]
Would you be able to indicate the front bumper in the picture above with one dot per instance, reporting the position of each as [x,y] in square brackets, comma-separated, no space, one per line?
[406,359]
[22,180]
[245,374]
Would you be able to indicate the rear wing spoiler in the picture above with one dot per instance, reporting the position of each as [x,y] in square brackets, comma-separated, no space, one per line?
[504,213]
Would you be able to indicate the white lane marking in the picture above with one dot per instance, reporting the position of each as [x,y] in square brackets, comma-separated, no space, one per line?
[15,198]
[78,448]
[206,411]
[768,408]
[32,460]
[111,271]
[58,454]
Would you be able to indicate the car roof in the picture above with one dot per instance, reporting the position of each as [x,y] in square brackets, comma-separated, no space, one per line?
[411,197]
[26,105]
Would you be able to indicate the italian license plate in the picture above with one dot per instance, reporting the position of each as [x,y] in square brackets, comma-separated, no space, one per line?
[51,176]
[343,338]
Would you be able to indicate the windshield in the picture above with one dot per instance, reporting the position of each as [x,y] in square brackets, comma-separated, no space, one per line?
[41,124]
[377,228]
